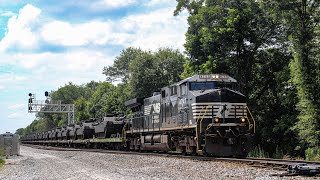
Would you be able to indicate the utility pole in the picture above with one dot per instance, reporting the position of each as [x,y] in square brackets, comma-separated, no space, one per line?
[48,106]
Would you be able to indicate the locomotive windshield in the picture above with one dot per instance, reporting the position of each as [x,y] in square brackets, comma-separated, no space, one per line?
[211,85]
[202,85]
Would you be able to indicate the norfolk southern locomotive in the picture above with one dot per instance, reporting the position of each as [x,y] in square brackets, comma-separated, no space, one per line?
[202,114]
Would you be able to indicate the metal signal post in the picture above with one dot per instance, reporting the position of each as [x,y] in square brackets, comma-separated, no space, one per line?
[48,106]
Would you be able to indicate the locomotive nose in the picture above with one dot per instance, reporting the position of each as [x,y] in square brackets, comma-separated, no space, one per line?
[208,96]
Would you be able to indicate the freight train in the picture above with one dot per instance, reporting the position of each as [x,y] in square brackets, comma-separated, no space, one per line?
[200,115]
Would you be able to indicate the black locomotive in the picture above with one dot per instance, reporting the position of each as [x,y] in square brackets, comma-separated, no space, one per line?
[202,114]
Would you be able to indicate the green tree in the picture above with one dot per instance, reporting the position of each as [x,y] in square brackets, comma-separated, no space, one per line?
[120,69]
[150,72]
[302,18]
[20,131]
[143,72]
[98,105]
[247,40]
[145,77]
[227,36]
[81,106]
[170,63]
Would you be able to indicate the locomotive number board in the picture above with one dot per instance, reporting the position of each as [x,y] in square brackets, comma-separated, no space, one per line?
[213,76]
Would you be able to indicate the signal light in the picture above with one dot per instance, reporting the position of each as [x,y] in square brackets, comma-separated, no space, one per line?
[243,120]
[216,120]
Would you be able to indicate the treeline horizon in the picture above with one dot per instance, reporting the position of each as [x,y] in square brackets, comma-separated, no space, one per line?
[270,47]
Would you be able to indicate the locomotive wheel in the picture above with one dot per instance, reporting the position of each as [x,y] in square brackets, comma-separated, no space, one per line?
[194,151]
[204,153]
[184,152]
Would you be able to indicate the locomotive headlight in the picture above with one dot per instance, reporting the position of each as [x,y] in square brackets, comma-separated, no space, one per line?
[243,120]
[216,120]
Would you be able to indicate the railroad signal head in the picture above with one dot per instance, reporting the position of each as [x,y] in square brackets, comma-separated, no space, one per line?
[46,93]
[30,94]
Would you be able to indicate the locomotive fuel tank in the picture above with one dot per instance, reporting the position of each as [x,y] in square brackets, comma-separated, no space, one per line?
[155,142]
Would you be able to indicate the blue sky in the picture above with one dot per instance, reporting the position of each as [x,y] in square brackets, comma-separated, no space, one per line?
[45,44]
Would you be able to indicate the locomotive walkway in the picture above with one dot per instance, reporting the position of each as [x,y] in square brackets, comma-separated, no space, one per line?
[81,164]
[50,164]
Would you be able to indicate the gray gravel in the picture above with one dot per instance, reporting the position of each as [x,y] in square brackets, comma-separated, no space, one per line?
[48,164]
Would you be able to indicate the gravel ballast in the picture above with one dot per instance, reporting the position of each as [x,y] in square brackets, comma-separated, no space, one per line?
[48,164]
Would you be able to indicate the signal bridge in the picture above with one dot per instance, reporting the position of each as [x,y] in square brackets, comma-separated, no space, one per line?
[48,106]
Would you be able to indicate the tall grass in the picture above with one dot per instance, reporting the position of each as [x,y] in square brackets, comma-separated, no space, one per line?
[2,161]
[313,154]
[258,152]
[2,154]
[278,154]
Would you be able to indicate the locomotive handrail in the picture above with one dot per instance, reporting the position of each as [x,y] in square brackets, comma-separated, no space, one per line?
[205,112]
[254,121]
[197,121]
[250,125]
[124,131]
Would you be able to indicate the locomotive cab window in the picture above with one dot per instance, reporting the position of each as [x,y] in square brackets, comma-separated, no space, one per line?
[183,89]
[226,85]
[163,93]
[173,90]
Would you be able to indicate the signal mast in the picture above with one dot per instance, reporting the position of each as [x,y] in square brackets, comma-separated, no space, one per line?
[49,106]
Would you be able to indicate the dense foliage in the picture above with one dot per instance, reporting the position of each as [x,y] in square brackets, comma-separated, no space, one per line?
[270,47]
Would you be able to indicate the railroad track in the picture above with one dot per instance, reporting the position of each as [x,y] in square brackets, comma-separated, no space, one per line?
[275,164]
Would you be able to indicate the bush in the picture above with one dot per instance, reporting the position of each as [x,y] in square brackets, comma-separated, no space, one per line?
[2,153]
[258,152]
[313,154]
[2,161]
[278,154]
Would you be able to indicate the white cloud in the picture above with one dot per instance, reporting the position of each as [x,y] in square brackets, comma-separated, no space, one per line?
[64,33]
[7,13]
[17,107]
[19,31]
[15,115]
[158,28]
[155,29]
[160,2]
[52,70]
[111,4]
[11,78]
[150,31]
